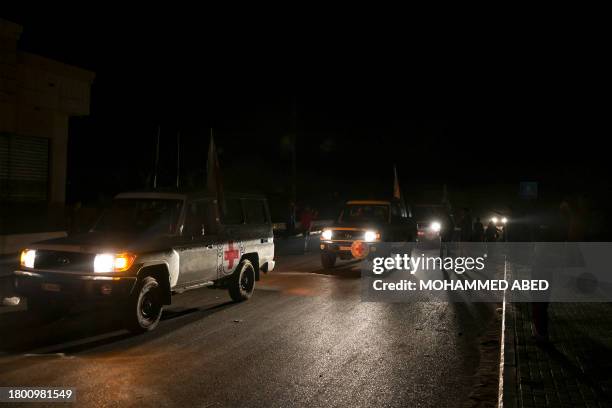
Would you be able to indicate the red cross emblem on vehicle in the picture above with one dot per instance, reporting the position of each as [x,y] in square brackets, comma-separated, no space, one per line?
[231,254]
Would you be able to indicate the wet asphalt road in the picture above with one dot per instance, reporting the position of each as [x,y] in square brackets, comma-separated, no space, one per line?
[304,339]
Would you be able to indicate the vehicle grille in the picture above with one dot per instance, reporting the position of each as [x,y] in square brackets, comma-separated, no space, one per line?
[344,235]
[69,261]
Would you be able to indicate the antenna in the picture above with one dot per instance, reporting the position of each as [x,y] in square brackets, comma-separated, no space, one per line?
[206,176]
[156,158]
[178,158]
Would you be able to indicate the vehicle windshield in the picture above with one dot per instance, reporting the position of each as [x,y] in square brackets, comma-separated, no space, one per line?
[426,214]
[364,212]
[155,216]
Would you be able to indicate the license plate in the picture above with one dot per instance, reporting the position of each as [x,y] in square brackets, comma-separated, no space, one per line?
[51,287]
[345,248]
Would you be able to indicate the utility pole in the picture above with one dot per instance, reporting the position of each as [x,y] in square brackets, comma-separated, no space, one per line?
[293,145]
[178,158]
[207,169]
[156,158]
[293,151]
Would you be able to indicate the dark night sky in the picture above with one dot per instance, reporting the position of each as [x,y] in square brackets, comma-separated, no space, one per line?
[358,110]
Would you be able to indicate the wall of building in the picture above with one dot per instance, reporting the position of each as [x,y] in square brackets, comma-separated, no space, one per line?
[37,98]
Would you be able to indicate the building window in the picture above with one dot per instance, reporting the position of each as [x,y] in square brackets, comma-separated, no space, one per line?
[24,168]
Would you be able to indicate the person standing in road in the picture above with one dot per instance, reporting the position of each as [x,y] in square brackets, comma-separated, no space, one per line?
[466,225]
[306,218]
[478,232]
[291,218]
[446,234]
[491,234]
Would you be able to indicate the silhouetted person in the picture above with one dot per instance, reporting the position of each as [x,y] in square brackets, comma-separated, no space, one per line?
[466,226]
[491,232]
[575,213]
[478,233]
[568,225]
[291,218]
[306,218]
[446,234]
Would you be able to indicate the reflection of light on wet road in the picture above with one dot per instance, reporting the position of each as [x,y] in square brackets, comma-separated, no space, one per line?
[304,339]
[295,275]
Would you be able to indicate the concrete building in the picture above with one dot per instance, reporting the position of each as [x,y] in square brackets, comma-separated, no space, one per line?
[38,96]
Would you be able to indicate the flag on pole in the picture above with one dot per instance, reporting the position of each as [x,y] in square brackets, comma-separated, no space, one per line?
[396,188]
[397,194]
[213,174]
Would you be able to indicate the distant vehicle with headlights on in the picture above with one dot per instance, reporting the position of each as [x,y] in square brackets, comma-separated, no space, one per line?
[499,222]
[361,228]
[148,247]
[429,219]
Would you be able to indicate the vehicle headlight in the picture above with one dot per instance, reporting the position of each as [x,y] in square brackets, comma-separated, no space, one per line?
[494,220]
[435,226]
[27,258]
[370,236]
[327,234]
[113,262]
[504,220]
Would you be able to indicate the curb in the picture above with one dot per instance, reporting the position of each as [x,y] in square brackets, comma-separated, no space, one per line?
[510,393]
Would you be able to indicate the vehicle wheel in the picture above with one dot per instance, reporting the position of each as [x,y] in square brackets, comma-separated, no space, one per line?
[328,260]
[145,306]
[242,281]
[48,308]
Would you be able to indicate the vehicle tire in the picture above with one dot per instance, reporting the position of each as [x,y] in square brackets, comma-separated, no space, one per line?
[144,306]
[328,260]
[242,281]
[48,308]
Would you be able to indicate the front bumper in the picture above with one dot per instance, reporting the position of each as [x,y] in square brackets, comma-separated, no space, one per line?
[342,249]
[84,287]
[428,236]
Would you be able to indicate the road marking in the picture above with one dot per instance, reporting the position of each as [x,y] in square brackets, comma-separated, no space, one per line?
[500,390]
[52,350]
[60,355]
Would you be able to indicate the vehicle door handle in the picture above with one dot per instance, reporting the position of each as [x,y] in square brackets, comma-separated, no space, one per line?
[264,240]
[210,246]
